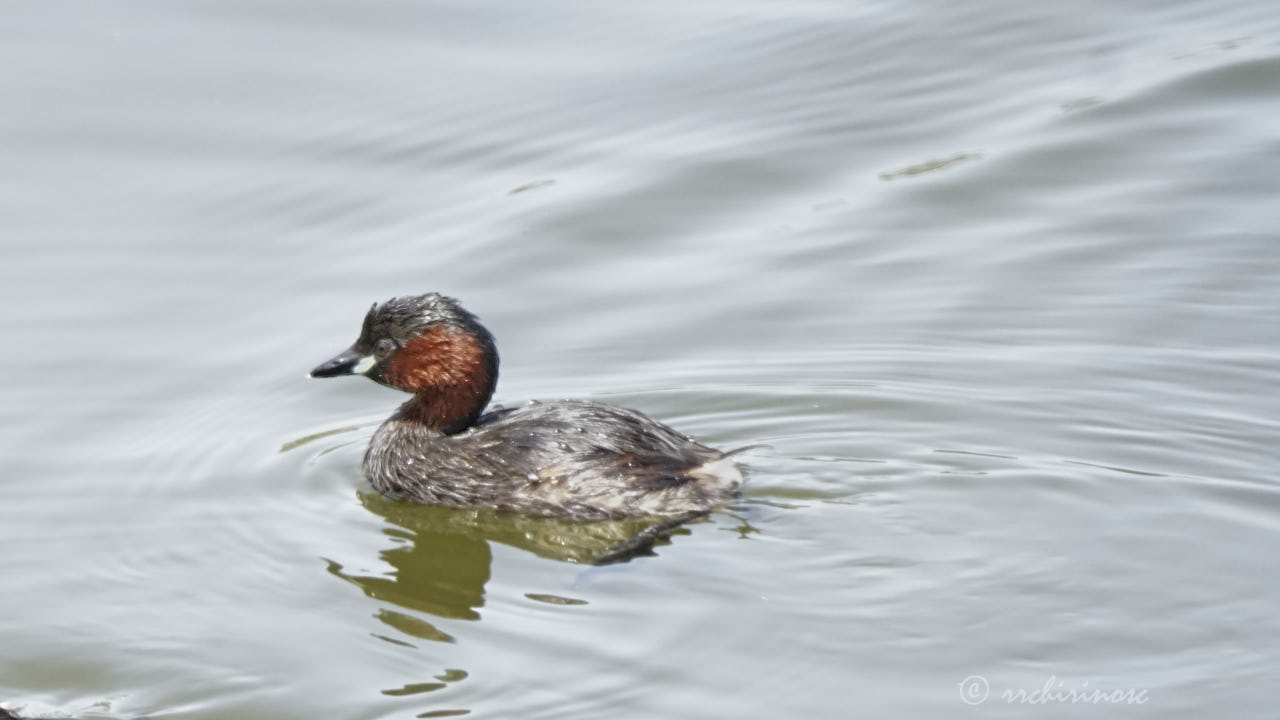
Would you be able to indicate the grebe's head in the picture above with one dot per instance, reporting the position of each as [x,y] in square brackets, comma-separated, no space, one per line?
[430,346]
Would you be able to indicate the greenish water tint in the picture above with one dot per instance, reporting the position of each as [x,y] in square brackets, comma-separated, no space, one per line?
[993,284]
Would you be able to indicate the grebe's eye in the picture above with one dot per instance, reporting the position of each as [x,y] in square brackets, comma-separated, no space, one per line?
[384,348]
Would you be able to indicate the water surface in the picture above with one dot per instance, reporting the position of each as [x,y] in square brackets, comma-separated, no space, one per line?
[994,284]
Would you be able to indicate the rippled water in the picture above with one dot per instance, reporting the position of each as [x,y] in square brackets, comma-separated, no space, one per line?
[994,284]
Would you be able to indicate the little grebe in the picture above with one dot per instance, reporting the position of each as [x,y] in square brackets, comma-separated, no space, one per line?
[572,458]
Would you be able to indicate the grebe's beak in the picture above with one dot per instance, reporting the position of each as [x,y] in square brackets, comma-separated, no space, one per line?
[348,362]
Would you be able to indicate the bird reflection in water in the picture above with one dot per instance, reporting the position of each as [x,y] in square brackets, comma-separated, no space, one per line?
[441,556]
[441,562]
